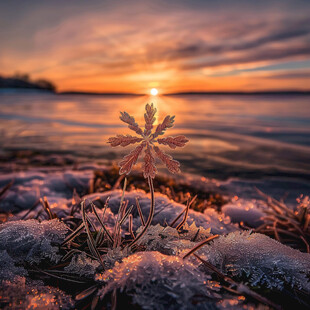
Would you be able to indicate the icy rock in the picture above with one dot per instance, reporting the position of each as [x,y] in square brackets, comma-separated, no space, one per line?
[32,241]
[166,210]
[263,261]
[82,265]
[28,294]
[246,211]
[157,281]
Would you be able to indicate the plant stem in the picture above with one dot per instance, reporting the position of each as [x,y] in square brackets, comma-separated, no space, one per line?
[151,215]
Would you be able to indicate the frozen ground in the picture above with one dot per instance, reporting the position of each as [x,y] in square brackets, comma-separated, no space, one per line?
[156,277]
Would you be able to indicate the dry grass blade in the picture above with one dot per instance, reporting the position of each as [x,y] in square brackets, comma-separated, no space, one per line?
[177,218]
[90,237]
[140,212]
[276,231]
[114,300]
[87,292]
[126,215]
[58,277]
[200,245]
[151,215]
[117,227]
[5,189]
[47,208]
[186,212]
[94,302]
[74,234]
[214,269]
[306,243]
[69,254]
[101,222]
[130,226]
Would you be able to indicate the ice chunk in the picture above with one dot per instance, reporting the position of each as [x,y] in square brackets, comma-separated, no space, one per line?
[29,186]
[264,261]
[250,212]
[157,281]
[32,241]
[8,270]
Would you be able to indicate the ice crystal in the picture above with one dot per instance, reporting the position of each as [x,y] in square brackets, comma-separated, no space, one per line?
[157,281]
[82,265]
[31,241]
[147,141]
[170,241]
[163,239]
[194,233]
[262,260]
[114,256]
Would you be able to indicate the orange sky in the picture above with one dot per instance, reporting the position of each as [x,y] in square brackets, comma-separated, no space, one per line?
[132,46]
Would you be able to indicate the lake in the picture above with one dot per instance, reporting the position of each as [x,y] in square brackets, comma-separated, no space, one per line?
[239,141]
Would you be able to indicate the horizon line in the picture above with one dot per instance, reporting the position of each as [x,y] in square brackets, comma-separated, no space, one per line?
[263,92]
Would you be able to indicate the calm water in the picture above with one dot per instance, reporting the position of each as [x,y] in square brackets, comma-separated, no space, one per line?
[244,141]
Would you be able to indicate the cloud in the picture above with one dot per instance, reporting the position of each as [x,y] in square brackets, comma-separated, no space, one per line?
[102,42]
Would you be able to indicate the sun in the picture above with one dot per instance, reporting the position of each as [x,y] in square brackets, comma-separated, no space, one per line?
[154,91]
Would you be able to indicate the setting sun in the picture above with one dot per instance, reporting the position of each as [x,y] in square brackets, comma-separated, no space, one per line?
[154,91]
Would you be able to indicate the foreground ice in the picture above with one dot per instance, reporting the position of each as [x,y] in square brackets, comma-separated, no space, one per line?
[156,278]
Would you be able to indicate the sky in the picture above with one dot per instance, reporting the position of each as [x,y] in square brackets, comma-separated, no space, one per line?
[175,45]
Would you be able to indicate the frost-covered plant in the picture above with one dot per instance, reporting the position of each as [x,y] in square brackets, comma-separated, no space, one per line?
[147,140]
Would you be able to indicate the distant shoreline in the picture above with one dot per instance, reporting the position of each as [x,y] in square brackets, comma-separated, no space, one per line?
[290,92]
[188,93]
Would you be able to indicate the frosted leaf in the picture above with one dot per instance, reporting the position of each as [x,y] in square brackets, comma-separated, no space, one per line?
[264,261]
[82,265]
[32,241]
[28,294]
[157,281]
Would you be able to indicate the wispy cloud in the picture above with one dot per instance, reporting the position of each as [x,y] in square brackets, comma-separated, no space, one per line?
[178,45]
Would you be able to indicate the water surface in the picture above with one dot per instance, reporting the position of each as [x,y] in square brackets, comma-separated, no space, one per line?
[243,141]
